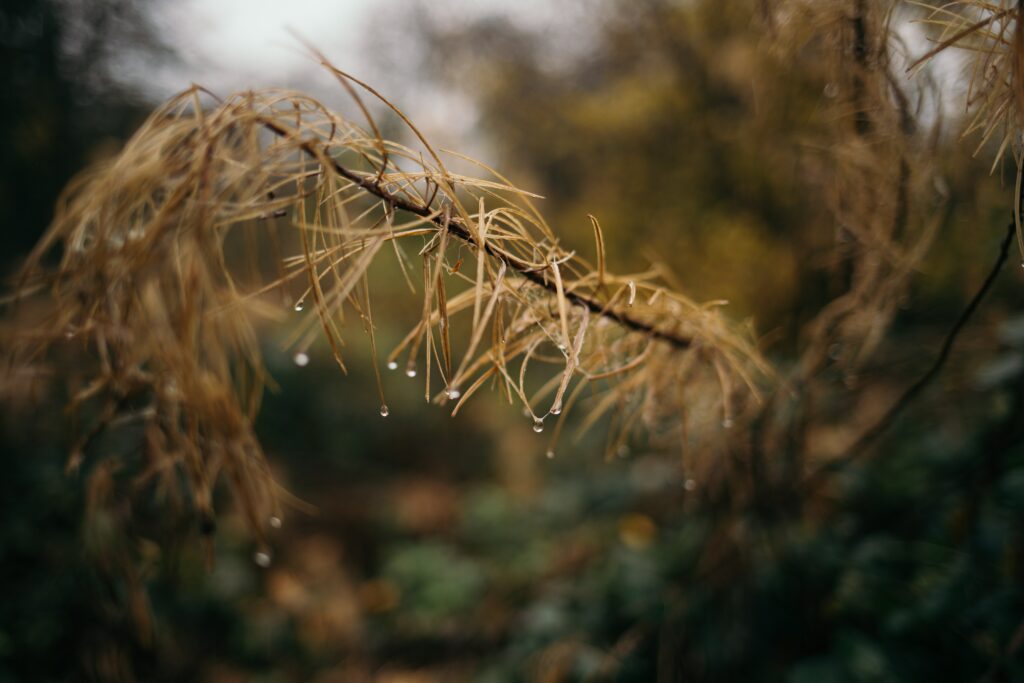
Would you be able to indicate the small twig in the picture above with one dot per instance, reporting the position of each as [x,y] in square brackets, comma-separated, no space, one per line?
[860,445]
[457,229]
[960,35]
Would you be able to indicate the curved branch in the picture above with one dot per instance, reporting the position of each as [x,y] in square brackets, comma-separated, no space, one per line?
[456,228]
[859,446]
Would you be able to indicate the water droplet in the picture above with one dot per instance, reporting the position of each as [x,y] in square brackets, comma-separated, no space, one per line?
[538,425]
[171,391]
[299,305]
[690,484]
[556,410]
[384,412]
[392,365]
[301,359]
[262,558]
[561,346]
[632,293]
[410,370]
[69,333]
[727,423]
[275,522]
[550,454]
[454,393]
[622,451]
[831,90]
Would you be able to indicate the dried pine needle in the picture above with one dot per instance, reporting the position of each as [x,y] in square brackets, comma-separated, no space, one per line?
[158,279]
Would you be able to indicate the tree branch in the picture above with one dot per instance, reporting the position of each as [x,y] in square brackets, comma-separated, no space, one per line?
[859,446]
[456,228]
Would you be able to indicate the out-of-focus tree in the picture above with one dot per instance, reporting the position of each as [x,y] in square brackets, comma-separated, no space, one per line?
[62,107]
[680,131]
[60,110]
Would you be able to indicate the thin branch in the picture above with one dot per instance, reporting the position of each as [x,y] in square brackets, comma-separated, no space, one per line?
[456,228]
[859,447]
[960,35]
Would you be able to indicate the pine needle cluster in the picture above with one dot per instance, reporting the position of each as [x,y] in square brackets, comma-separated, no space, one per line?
[154,272]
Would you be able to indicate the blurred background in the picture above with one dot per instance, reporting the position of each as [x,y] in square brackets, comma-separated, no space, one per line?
[448,549]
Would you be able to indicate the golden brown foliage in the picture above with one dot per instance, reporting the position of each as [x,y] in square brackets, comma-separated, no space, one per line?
[158,277]
[877,176]
[992,35]
[155,268]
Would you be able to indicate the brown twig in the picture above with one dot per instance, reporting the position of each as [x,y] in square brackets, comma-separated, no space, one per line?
[859,446]
[456,228]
